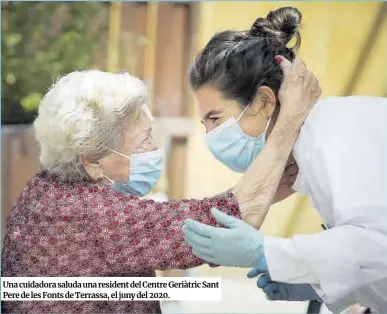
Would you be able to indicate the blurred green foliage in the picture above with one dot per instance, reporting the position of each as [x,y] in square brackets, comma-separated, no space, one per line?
[41,41]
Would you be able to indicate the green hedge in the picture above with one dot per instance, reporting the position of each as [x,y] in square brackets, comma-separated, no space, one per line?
[41,41]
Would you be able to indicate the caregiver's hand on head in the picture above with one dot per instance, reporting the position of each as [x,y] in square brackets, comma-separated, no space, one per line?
[299,91]
[237,245]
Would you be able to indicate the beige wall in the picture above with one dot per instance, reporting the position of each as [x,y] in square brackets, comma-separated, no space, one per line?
[333,37]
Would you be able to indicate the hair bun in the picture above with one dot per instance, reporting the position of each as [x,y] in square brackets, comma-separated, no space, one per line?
[281,25]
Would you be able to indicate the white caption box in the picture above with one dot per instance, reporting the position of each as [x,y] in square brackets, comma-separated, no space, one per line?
[111,289]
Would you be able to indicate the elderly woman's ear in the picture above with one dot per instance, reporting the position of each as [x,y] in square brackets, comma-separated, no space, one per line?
[92,168]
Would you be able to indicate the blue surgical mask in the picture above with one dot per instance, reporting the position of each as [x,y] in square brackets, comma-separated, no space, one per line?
[145,172]
[233,147]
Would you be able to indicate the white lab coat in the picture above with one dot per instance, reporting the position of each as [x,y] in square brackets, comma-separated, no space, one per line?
[342,157]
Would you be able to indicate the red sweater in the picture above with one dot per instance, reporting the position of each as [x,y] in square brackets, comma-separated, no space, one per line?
[69,229]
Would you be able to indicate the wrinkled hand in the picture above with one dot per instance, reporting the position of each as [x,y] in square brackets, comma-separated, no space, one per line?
[237,245]
[299,91]
[285,187]
[279,291]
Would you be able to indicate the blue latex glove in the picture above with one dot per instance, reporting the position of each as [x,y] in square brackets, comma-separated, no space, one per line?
[279,291]
[238,245]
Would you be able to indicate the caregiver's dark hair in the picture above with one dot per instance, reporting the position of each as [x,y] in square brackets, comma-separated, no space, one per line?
[238,63]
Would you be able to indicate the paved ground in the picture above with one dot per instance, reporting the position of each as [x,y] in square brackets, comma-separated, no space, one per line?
[240,295]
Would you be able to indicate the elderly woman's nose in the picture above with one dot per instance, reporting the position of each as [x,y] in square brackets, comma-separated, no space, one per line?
[153,146]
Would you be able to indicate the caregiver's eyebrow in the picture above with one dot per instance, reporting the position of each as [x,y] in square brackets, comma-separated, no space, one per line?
[209,114]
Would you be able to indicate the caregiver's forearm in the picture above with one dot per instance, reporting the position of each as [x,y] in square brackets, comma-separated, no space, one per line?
[256,190]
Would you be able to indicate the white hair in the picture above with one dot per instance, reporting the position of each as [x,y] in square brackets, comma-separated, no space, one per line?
[82,115]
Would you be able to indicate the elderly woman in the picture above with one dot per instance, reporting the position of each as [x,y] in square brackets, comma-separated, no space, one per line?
[83,215]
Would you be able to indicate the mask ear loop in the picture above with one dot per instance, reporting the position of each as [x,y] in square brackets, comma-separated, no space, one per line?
[118,153]
[244,110]
[107,178]
[267,125]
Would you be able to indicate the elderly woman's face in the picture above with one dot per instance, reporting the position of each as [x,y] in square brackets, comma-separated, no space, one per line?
[136,138]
